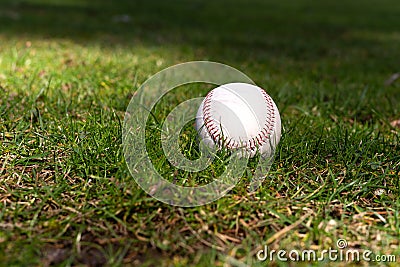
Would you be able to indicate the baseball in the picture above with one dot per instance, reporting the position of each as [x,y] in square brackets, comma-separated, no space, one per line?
[239,116]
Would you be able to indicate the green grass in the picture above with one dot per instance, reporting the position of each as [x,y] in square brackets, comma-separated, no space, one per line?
[69,68]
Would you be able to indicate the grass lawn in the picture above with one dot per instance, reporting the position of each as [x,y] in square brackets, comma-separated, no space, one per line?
[68,69]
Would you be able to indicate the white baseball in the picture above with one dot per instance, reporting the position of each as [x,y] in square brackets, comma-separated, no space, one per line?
[239,116]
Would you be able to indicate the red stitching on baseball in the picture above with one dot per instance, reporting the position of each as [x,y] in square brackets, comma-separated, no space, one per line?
[216,133]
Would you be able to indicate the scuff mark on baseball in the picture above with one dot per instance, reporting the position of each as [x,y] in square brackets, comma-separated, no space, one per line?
[239,116]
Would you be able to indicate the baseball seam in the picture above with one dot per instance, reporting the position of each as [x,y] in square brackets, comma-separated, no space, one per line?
[216,134]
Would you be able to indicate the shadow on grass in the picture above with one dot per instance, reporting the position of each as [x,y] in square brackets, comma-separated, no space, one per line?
[298,30]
